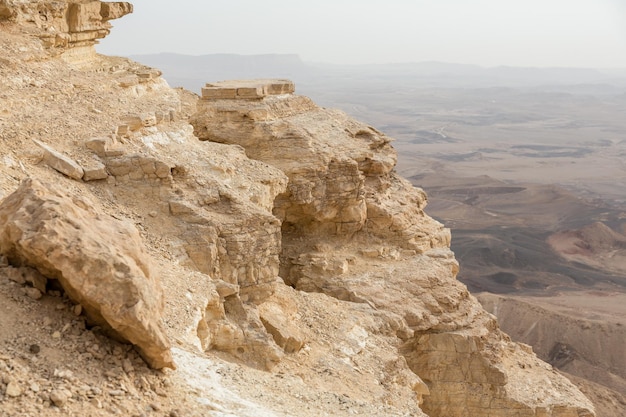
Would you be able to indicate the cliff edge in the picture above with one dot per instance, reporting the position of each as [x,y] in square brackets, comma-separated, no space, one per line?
[261,245]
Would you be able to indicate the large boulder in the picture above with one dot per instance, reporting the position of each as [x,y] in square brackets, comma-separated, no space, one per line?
[99,261]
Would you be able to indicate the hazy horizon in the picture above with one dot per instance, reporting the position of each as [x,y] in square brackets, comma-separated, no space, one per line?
[487,33]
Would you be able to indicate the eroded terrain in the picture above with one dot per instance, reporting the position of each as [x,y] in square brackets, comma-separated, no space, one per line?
[527,168]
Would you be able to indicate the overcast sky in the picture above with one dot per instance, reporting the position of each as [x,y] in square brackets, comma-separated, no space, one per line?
[566,33]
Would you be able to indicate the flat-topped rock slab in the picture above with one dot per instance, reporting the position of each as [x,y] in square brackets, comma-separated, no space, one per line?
[247,89]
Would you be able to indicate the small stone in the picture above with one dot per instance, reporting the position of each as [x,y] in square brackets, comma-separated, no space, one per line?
[34,349]
[153,214]
[175,413]
[116,393]
[34,387]
[96,171]
[47,321]
[13,389]
[33,293]
[61,162]
[59,397]
[77,310]
[96,402]
[56,335]
[65,374]
[127,366]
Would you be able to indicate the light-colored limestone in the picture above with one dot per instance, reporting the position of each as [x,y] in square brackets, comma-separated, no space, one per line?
[94,171]
[319,205]
[353,229]
[246,89]
[62,24]
[277,314]
[99,261]
[105,146]
[60,162]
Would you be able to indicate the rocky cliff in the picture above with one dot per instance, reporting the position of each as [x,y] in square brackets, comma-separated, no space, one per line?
[268,240]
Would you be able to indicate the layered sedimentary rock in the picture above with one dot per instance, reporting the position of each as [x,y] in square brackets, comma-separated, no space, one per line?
[341,179]
[63,26]
[216,205]
[99,261]
[353,229]
[226,227]
[377,323]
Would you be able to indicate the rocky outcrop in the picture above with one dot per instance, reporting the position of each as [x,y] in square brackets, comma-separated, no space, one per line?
[247,89]
[376,323]
[61,25]
[100,262]
[60,162]
[353,229]
[216,204]
[341,179]
[226,227]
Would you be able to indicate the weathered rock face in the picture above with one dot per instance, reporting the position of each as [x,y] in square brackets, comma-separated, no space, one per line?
[353,229]
[99,261]
[474,373]
[226,226]
[341,179]
[65,24]
[380,326]
[216,204]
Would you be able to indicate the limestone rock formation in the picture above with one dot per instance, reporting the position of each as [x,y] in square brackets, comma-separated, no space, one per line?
[99,261]
[278,191]
[61,163]
[353,229]
[63,26]
[247,89]
[341,179]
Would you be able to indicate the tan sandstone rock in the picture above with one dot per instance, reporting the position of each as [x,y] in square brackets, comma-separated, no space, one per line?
[60,162]
[247,89]
[341,179]
[99,261]
[278,314]
[377,323]
[63,24]
[353,229]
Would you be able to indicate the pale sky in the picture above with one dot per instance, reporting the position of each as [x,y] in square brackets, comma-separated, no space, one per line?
[542,33]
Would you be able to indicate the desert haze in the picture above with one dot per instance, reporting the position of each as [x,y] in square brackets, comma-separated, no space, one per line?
[526,165]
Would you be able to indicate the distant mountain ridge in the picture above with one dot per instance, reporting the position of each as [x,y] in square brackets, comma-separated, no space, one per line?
[192,71]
